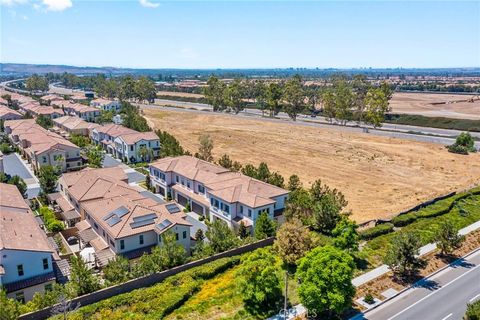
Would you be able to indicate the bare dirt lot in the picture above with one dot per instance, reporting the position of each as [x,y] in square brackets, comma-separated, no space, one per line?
[436,105]
[380,176]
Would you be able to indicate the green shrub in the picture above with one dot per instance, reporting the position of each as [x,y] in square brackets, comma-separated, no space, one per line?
[376,231]
[404,219]
[473,311]
[51,222]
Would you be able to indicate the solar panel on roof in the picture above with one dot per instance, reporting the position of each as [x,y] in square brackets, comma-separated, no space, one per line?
[149,216]
[141,223]
[119,212]
[172,208]
[113,221]
[164,224]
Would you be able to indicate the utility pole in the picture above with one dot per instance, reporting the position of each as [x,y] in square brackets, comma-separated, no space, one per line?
[285,307]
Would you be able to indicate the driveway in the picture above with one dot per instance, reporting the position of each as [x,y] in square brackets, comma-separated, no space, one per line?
[15,166]
[133,175]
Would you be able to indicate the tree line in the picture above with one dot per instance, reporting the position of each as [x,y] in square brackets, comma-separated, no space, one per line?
[343,99]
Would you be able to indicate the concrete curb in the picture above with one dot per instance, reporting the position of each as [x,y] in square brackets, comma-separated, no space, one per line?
[416,283]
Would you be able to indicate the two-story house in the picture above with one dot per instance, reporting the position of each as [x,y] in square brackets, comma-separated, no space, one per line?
[26,258]
[42,147]
[74,125]
[117,218]
[84,112]
[214,191]
[126,144]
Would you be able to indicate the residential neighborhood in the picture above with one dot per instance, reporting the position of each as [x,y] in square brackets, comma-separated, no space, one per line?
[239,160]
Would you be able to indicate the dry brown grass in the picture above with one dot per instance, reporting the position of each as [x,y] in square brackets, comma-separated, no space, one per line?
[379,176]
[427,104]
[179,94]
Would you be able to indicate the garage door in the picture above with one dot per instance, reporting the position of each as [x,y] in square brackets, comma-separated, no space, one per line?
[182,200]
[197,208]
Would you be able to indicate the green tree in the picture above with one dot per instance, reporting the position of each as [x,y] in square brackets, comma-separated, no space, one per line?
[44,121]
[233,96]
[95,156]
[48,177]
[10,309]
[82,279]
[170,147]
[292,242]
[276,179]
[258,279]
[127,88]
[20,184]
[146,154]
[249,170]
[294,183]
[264,226]
[170,252]
[447,238]
[227,163]
[132,118]
[376,104]
[243,231]
[205,148]
[273,95]
[325,276]
[402,255]
[221,237]
[145,89]
[105,117]
[36,83]
[79,140]
[263,172]
[117,270]
[463,144]
[214,93]
[345,235]
[294,97]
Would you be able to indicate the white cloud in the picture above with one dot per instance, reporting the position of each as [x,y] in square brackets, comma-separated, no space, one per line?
[57,5]
[147,4]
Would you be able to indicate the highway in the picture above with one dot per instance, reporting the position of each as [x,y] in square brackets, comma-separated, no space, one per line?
[444,296]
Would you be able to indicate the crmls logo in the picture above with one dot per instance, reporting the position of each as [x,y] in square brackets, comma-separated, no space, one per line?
[292,314]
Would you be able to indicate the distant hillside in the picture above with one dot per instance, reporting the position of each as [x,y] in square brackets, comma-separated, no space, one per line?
[26,69]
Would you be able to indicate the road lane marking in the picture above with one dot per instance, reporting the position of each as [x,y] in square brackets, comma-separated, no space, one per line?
[447,316]
[427,296]
[474,298]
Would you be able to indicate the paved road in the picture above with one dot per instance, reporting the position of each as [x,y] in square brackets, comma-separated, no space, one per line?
[14,166]
[441,297]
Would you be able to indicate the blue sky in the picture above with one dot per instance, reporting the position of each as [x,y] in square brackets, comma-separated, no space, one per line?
[242,34]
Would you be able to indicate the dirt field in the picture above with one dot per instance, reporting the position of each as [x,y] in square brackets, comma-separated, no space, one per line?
[379,176]
[427,104]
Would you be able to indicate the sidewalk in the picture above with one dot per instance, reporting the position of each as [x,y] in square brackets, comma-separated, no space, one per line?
[379,271]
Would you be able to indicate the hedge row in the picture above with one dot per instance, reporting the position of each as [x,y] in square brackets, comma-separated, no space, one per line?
[436,209]
[157,301]
[376,231]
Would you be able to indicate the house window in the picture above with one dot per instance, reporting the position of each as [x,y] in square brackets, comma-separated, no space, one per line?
[249,213]
[95,225]
[20,270]
[44,159]
[226,208]
[201,189]
[20,297]
[184,234]
[141,239]
[122,244]
[176,179]
[103,233]
[188,184]
[159,238]
[45,264]
[241,209]
[78,164]
[113,243]
[176,236]
[131,147]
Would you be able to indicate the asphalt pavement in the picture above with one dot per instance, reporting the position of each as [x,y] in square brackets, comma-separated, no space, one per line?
[440,297]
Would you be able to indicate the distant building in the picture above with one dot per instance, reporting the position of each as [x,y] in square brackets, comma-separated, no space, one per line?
[74,125]
[125,143]
[106,105]
[9,114]
[117,119]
